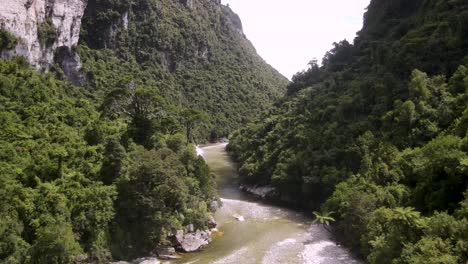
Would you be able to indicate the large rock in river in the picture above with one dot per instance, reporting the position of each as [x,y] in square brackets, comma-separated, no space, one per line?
[212,222]
[150,260]
[165,252]
[264,192]
[146,261]
[190,242]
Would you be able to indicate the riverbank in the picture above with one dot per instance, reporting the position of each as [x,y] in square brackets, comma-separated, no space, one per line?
[268,234]
[250,231]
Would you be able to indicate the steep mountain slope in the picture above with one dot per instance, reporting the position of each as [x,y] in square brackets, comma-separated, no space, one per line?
[378,131]
[107,170]
[194,52]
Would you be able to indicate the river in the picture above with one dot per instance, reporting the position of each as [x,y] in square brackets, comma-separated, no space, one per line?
[268,234]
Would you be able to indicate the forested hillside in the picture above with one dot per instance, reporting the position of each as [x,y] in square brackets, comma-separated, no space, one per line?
[74,184]
[376,136]
[106,171]
[195,54]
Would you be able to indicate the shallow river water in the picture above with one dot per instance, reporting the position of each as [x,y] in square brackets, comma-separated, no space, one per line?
[268,234]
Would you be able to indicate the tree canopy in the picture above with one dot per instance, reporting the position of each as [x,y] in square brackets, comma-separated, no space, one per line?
[377,134]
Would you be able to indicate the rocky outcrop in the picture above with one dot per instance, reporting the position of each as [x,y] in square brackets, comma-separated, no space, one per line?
[188,3]
[264,192]
[233,18]
[146,261]
[190,242]
[61,19]
[165,252]
[268,193]
[215,205]
[150,260]
[212,222]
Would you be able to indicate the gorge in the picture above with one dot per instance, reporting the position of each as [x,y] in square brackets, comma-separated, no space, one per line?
[104,102]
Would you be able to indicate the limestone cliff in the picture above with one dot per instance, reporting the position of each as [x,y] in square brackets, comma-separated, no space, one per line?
[47,30]
[233,18]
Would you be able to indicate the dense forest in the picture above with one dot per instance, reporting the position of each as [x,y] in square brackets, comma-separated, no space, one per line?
[75,182]
[376,137]
[195,54]
[106,169]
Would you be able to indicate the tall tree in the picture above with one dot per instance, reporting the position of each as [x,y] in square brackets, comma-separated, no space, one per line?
[142,105]
[190,118]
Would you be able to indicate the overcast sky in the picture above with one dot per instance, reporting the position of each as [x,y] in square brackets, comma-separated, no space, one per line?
[290,33]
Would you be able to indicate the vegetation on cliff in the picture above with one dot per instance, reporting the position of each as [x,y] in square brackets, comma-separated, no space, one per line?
[196,56]
[378,135]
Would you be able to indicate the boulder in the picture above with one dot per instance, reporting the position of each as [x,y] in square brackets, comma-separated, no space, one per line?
[239,218]
[190,242]
[146,261]
[179,236]
[81,259]
[164,252]
[212,222]
[264,192]
[190,228]
[215,205]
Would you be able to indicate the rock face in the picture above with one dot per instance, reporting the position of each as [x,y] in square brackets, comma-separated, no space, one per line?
[23,18]
[212,222]
[191,242]
[188,3]
[164,252]
[146,261]
[215,205]
[150,260]
[233,18]
[264,192]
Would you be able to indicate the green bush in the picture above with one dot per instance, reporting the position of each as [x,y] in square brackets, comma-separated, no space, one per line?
[47,32]
[7,40]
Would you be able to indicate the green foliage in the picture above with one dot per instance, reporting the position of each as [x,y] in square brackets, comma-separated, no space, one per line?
[377,134]
[72,175]
[7,40]
[190,117]
[196,57]
[160,195]
[150,196]
[388,230]
[141,105]
[114,162]
[55,243]
[47,32]
[430,250]
[323,219]
[106,171]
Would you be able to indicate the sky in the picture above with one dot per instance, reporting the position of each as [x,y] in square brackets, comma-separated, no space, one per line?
[290,33]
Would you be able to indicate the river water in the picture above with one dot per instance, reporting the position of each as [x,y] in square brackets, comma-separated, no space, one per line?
[268,234]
